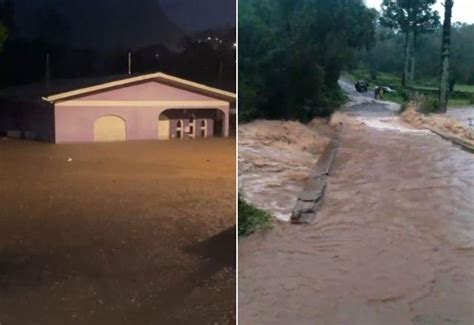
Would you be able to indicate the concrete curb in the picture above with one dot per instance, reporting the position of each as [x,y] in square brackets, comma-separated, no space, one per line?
[459,142]
[311,197]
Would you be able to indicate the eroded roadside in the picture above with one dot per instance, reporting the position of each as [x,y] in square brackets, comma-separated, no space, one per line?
[275,159]
[392,244]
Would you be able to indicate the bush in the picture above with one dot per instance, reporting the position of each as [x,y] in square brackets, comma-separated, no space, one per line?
[373,74]
[428,105]
[252,219]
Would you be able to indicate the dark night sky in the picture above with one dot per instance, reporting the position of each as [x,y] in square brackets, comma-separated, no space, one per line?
[193,15]
[110,24]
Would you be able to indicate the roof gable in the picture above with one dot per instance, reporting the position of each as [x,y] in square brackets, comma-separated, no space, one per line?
[168,81]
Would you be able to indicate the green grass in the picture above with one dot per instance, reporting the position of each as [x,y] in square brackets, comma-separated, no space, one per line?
[465,88]
[454,102]
[252,219]
[396,98]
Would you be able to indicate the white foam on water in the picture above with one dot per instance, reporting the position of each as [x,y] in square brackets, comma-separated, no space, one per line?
[389,124]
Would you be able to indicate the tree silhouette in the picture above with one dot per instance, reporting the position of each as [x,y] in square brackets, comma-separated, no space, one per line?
[412,18]
[445,57]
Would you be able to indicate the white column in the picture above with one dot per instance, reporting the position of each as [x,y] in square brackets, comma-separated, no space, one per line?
[226,122]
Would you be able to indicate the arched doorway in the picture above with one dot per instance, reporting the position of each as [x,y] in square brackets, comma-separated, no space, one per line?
[110,128]
[203,128]
[179,129]
[164,127]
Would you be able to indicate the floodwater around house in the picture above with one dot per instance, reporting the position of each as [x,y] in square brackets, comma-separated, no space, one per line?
[119,233]
[392,244]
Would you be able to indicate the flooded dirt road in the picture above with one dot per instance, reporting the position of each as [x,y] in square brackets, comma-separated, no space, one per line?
[117,233]
[392,244]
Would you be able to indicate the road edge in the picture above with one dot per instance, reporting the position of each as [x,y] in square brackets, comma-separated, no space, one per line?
[311,197]
[459,142]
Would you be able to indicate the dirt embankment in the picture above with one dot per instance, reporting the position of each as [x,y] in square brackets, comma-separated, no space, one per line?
[275,159]
[438,124]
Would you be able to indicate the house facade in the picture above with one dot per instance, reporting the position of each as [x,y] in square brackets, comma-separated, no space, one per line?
[154,106]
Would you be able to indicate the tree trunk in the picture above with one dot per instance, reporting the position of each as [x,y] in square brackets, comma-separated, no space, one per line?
[445,57]
[406,68]
[413,60]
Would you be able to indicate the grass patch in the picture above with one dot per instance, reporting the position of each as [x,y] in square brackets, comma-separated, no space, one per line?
[466,88]
[396,98]
[454,102]
[252,219]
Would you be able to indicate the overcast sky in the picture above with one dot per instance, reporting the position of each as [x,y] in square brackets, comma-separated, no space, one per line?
[463,10]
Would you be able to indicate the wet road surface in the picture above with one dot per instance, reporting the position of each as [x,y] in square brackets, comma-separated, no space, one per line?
[392,244]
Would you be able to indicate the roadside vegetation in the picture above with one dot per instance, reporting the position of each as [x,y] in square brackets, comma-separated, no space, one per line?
[252,219]
[291,54]
[3,34]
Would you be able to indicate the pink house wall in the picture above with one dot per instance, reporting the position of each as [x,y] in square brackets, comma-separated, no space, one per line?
[76,123]
[150,90]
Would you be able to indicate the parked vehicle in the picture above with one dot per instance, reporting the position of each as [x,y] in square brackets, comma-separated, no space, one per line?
[388,90]
[362,86]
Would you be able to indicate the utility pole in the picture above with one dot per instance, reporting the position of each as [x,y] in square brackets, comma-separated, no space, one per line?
[129,63]
[48,73]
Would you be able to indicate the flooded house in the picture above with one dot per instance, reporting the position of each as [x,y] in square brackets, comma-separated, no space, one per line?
[145,107]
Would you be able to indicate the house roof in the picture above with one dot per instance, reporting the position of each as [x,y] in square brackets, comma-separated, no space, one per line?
[161,77]
[63,89]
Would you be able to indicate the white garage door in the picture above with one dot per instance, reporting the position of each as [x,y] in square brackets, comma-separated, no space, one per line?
[110,128]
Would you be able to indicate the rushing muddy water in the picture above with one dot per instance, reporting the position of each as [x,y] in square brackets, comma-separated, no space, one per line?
[392,244]
[465,116]
[275,158]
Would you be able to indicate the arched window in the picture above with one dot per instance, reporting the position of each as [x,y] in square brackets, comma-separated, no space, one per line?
[203,128]
[179,129]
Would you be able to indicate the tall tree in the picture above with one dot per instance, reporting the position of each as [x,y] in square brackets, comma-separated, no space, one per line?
[412,18]
[3,35]
[6,20]
[445,57]
[7,15]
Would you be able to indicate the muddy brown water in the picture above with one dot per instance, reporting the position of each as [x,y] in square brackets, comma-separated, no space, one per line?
[393,243]
[465,116]
[123,233]
[275,158]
